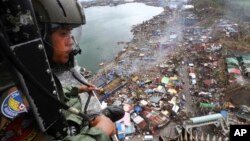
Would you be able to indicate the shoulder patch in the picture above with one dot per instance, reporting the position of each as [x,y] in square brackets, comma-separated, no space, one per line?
[13,105]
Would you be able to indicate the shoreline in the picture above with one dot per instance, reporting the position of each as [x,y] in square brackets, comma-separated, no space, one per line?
[143,42]
[126,45]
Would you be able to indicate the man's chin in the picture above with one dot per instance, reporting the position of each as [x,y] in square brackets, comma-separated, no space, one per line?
[63,62]
[66,60]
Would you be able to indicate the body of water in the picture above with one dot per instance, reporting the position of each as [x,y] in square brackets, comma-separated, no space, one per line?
[108,25]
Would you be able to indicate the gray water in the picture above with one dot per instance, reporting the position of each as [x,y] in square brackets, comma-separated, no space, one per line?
[108,25]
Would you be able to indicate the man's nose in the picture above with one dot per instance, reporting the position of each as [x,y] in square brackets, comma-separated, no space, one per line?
[69,41]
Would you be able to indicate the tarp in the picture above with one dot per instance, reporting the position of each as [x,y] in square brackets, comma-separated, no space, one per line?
[165,80]
[138,109]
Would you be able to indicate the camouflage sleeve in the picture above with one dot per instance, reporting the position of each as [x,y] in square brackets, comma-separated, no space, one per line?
[70,91]
[72,99]
[87,134]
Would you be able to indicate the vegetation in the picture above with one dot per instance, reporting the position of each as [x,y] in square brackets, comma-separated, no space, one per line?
[209,10]
[235,10]
[239,10]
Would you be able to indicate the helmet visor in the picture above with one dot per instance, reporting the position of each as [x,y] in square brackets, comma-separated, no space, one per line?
[76,34]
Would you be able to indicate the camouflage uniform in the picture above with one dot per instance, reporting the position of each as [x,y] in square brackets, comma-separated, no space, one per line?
[73,98]
[87,134]
[13,130]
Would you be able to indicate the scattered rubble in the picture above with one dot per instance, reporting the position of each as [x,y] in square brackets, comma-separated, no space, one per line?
[176,71]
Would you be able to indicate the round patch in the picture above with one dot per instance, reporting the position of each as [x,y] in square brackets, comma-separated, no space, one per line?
[13,105]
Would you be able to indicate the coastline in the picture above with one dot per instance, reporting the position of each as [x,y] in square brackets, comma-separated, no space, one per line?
[148,37]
